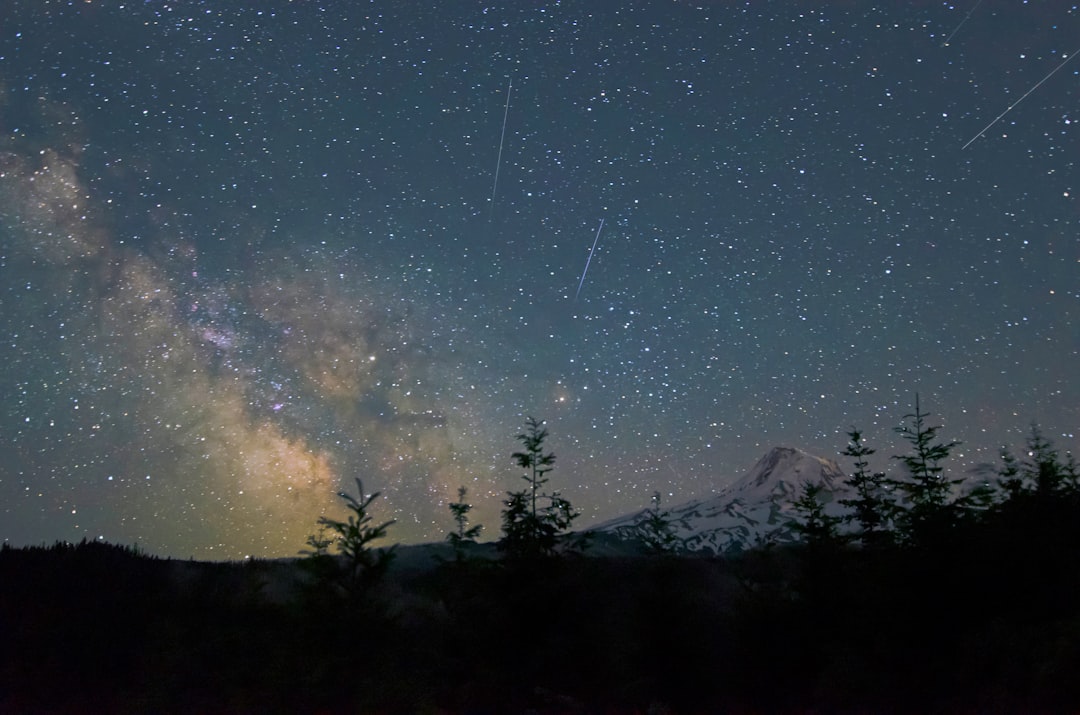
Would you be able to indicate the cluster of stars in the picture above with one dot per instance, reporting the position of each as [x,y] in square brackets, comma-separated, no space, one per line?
[249,254]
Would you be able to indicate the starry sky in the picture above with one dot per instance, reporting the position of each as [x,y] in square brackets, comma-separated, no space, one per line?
[251,251]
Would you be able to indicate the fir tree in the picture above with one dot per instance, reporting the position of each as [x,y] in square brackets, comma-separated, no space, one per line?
[534,459]
[817,573]
[1041,482]
[926,490]
[1009,475]
[871,506]
[1041,474]
[463,533]
[1071,474]
[530,528]
[655,529]
[1043,466]
[817,527]
[363,564]
[521,531]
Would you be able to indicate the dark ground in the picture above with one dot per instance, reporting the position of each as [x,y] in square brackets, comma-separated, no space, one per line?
[99,628]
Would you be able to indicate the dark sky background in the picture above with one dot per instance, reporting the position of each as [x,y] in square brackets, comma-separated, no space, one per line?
[247,255]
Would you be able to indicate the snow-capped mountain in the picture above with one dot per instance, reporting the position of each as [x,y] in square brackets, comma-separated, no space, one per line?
[757,506]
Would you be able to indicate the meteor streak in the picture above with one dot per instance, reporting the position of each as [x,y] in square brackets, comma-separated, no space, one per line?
[502,138]
[589,259]
[957,29]
[1035,87]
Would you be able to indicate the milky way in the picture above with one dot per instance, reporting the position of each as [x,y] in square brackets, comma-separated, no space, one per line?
[248,254]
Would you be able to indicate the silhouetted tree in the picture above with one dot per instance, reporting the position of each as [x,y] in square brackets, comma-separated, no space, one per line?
[463,533]
[1039,484]
[1009,475]
[1071,474]
[534,459]
[1044,468]
[363,564]
[655,529]
[318,561]
[531,530]
[1035,525]
[872,505]
[817,527]
[926,490]
[976,503]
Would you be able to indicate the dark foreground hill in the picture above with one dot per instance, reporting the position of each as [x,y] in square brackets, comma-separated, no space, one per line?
[98,628]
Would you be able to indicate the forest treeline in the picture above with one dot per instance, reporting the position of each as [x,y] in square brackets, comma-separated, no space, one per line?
[919,597]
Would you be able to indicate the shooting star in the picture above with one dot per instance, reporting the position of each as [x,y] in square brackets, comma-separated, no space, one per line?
[502,138]
[957,28]
[589,259]
[1035,87]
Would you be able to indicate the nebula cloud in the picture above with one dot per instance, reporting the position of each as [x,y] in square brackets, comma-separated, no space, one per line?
[225,414]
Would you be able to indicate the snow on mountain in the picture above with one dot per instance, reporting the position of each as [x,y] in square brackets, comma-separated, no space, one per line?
[757,506]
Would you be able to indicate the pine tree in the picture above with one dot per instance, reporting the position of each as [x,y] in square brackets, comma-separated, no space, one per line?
[363,564]
[1039,484]
[534,459]
[1042,474]
[521,532]
[1009,475]
[817,573]
[530,529]
[817,527]
[655,529]
[1071,474]
[871,506]
[927,492]
[1034,524]
[1043,465]
[463,533]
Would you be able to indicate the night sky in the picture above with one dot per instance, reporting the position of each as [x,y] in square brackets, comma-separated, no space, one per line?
[247,255]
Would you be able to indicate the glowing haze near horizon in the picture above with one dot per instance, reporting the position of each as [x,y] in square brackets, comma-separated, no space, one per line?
[250,253]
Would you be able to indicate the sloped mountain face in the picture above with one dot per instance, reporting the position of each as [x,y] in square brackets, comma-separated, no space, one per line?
[782,473]
[755,508]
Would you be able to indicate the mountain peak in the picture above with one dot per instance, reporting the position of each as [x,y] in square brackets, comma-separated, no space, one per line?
[783,471]
[757,506]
